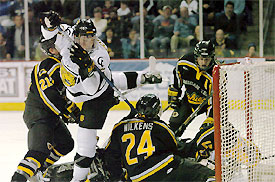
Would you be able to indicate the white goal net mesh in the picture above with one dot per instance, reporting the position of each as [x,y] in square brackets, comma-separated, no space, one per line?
[247,121]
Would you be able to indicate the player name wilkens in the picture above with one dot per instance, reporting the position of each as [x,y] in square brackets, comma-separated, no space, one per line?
[138,126]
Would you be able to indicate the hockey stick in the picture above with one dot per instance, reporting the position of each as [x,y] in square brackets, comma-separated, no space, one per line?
[101,73]
[194,114]
[166,108]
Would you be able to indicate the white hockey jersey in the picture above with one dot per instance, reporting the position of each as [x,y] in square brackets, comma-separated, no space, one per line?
[79,90]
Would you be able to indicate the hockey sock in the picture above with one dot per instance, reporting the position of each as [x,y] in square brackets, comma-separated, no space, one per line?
[29,165]
[52,158]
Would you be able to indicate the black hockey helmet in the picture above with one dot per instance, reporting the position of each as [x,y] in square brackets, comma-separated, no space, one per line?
[205,48]
[84,27]
[148,106]
[47,44]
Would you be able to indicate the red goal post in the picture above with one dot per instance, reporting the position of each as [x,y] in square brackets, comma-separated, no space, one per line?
[244,117]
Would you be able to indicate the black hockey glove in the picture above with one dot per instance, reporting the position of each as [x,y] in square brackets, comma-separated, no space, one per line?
[73,115]
[173,97]
[82,58]
[50,20]
[186,148]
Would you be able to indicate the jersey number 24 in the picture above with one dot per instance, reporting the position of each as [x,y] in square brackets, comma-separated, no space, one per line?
[144,145]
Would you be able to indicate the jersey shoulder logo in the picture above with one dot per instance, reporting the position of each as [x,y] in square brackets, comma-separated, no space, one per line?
[67,78]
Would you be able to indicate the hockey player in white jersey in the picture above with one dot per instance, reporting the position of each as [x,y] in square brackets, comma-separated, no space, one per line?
[83,83]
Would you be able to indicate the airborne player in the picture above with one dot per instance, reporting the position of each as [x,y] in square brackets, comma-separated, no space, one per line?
[83,83]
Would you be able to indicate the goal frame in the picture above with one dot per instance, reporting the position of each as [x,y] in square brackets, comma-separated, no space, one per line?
[216,113]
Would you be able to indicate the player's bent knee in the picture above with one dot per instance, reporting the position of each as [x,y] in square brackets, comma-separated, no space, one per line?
[86,142]
[67,148]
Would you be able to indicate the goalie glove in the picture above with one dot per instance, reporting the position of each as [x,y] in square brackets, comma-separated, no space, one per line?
[82,58]
[50,20]
[204,143]
[73,115]
[173,97]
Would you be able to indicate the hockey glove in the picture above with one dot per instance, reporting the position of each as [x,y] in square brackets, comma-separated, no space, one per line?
[150,78]
[73,115]
[82,58]
[173,97]
[50,20]
[204,142]
[186,148]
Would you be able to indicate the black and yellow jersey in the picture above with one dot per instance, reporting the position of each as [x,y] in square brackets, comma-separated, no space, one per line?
[198,84]
[45,92]
[142,147]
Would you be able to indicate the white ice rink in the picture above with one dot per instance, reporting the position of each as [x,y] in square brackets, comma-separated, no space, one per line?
[13,137]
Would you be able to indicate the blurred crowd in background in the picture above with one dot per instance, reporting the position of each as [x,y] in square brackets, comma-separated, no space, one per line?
[171,27]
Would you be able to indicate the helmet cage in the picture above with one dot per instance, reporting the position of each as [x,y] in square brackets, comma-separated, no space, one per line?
[84,27]
[205,49]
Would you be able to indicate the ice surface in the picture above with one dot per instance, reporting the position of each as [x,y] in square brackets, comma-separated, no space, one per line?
[13,137]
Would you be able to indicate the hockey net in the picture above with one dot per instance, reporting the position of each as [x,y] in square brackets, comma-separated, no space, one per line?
[244,114]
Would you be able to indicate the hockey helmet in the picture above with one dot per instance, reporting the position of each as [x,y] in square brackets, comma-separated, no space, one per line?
[149,106]
[205,49]
[84,27]
[47,44]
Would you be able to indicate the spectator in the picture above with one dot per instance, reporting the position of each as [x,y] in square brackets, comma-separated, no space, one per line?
[15,39]
[2,29]
[46,5]
[227,21]
[131,45]
[239,7]
[183,30]
[71,10]
[223,46]
[90,6]
[124,10]
[196,38]
[210,7]
[113,44]
[124,17]
[251,50]
[163,30]
[5,7]
[192,6]
[2,47]
[151,7]
[113,22]
[174,4]
[148,26]
[34,31]
[106,10]
[99,22]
